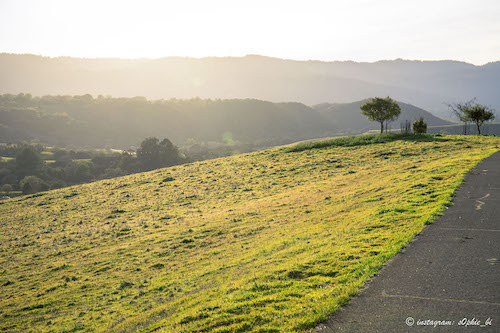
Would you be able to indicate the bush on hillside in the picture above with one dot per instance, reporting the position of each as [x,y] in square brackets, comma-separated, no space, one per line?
[420,126]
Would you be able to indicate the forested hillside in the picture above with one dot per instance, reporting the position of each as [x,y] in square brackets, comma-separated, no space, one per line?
[123,122]
[85,121]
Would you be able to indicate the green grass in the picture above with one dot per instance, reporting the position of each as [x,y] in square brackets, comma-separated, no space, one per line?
[47,155]
[82,160]
[273,241]
[361,140]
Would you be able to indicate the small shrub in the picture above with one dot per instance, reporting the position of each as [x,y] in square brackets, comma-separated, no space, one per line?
[420,126]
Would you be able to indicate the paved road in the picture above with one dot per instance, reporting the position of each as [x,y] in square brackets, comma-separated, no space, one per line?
[450,272]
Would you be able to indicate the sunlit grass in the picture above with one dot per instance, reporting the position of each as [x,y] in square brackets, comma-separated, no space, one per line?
[47,155]
[273,241]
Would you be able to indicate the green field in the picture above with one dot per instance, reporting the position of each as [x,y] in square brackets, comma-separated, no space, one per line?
[273,241]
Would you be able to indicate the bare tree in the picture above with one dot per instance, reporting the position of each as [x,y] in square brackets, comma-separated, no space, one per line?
[406,127]
[458,110]
[472,111]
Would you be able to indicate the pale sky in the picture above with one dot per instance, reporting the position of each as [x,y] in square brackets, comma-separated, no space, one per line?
[359,30]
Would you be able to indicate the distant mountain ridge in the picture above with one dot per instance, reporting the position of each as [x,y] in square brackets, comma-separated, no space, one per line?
[429,84]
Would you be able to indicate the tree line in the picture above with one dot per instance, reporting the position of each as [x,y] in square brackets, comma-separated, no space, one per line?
[386,110]
[103,121]
[24,168]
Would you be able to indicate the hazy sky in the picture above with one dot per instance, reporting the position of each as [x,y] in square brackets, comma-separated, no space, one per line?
[359,30]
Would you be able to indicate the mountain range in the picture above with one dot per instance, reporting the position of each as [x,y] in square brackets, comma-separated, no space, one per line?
[431,85]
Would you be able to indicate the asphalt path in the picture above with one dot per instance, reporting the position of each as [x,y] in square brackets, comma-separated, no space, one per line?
[447,279]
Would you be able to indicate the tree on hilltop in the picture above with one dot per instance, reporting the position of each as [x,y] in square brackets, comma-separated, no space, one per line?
[381,110]
[472,111]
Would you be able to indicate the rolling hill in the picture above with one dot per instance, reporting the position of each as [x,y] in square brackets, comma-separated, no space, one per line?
[271,241]
[124,122]
[429,84]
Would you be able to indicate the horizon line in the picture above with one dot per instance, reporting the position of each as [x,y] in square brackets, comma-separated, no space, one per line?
[246,56]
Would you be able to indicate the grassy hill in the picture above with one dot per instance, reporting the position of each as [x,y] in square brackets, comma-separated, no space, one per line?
[265,242]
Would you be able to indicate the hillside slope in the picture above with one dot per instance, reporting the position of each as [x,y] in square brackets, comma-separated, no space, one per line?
[429,84]
[124,122]
[265,242]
